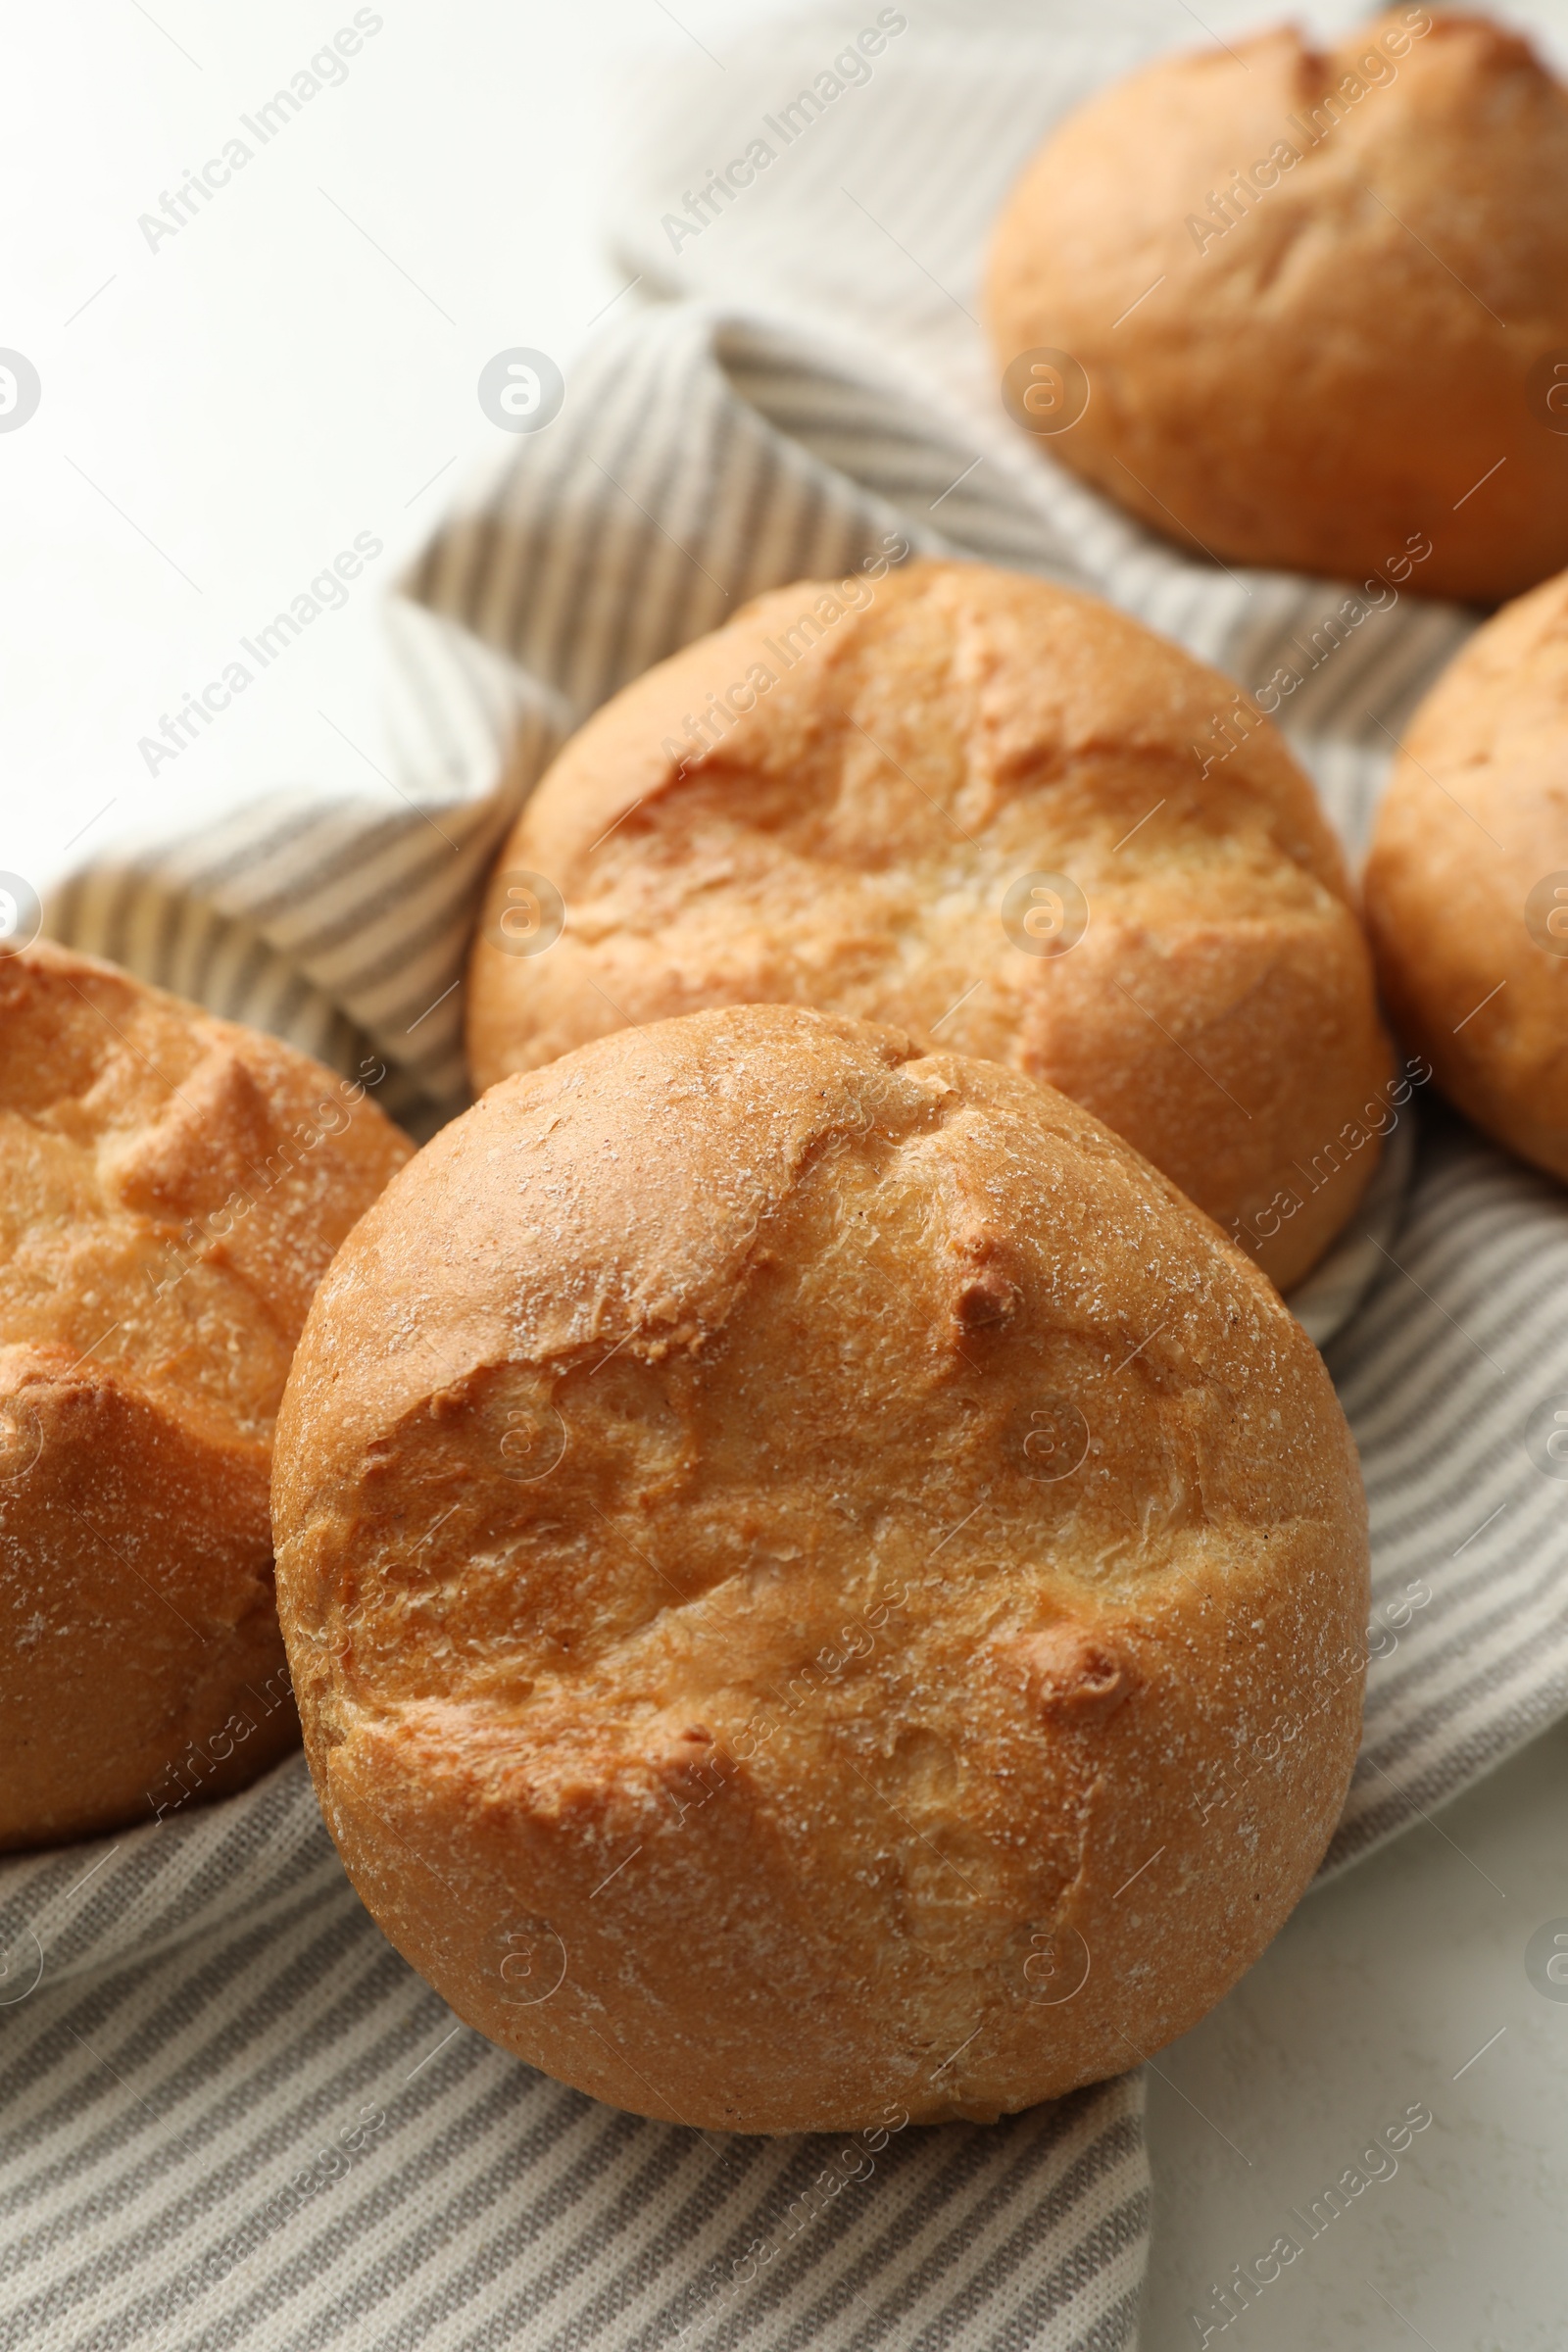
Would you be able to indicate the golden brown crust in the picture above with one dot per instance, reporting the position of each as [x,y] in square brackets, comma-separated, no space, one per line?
[1470,927]
[850,843]
[774,1531]
[1331,375]
[171,1188]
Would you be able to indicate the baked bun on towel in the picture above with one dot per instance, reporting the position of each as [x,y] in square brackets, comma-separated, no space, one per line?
[998,814]
[816,1583]
[1467,883]
[171,1187]
[1310,308]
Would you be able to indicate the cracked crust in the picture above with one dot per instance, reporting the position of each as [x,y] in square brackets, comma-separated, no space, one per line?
[1470,848]
[850,842]
[1353,363]
[735,1673]
[163,1226]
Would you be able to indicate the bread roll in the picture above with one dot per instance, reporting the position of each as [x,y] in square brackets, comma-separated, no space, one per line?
[998,814]
[171,1188]
[816,1582]
[1467,883]
[1310,308]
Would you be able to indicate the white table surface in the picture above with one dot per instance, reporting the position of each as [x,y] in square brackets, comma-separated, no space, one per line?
[298,364]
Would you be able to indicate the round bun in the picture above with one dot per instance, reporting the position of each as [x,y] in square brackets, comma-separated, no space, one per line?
[936,747]
[818,1584]
[171,1188]
[1315,301]
[1467,884]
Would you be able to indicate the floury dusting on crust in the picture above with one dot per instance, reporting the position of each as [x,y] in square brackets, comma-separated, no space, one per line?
[790,643]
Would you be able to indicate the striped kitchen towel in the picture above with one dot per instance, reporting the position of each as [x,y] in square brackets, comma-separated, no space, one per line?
[229,2115]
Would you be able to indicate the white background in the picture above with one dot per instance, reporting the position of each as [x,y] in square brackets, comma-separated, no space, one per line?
[219,417]
[294,367]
